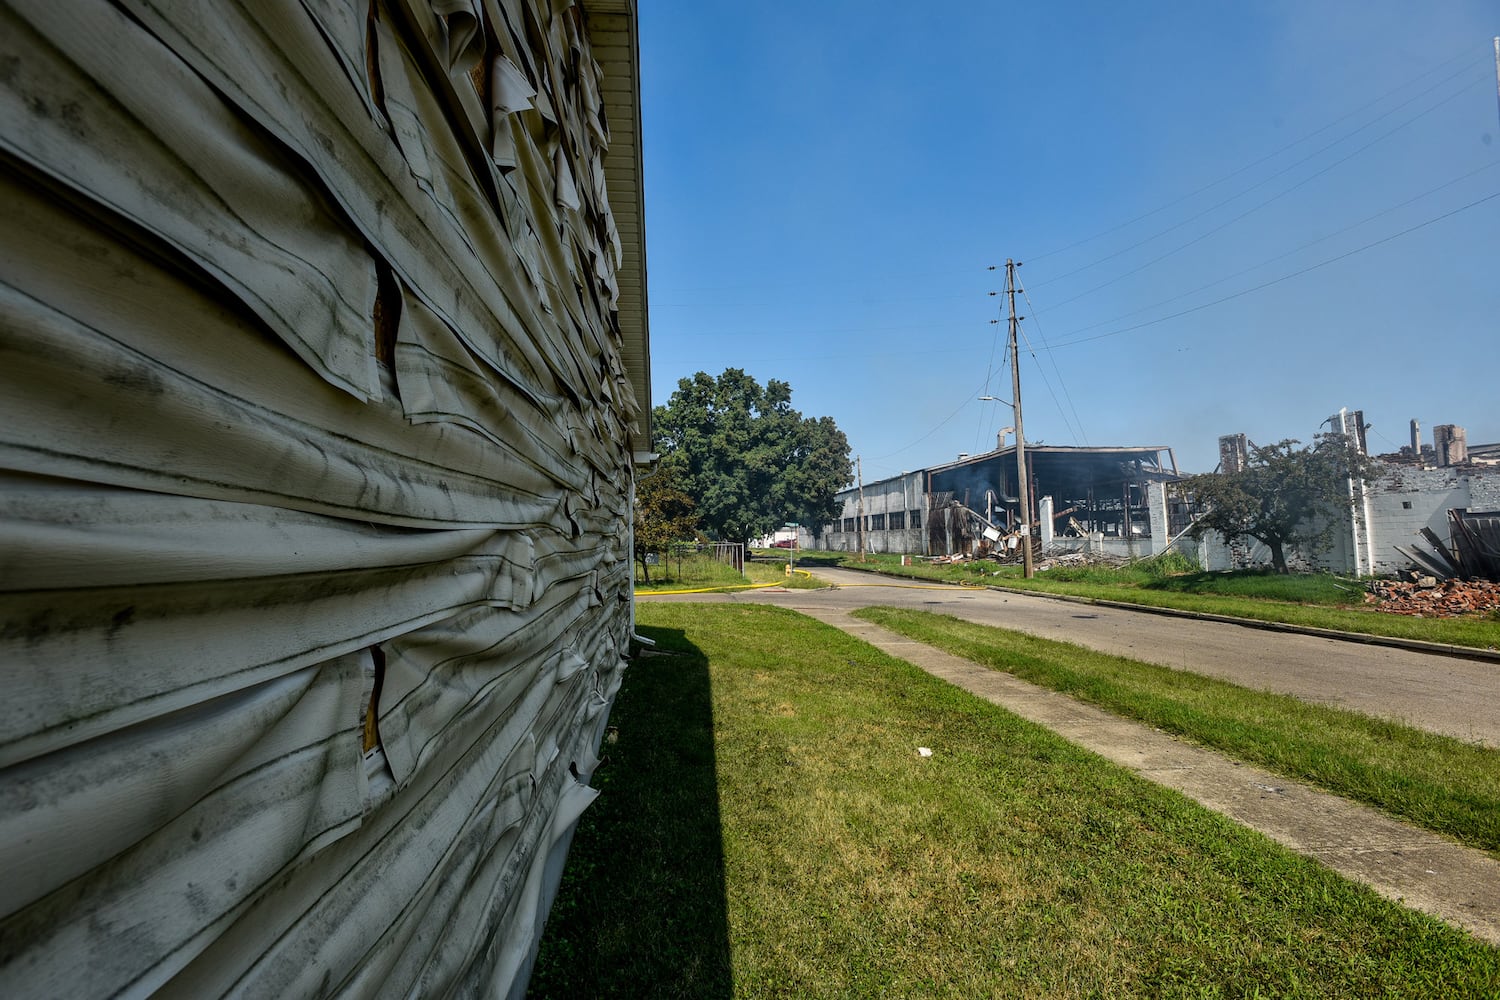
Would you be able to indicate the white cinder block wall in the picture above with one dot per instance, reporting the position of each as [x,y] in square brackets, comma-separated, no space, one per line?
[1405,500]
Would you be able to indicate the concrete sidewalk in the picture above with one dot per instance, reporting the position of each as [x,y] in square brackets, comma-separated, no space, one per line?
[1419,869]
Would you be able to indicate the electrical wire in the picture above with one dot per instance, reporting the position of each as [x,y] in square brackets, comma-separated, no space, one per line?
[1266,180]
[1254,208]
[1183,246]
[943,423]
[1032,312]
[1465,53]
[1047,382]
[659,301]
[987,419]
[1169,253]
[1228,298]
[1277,281]
[989,371]
[1298,249]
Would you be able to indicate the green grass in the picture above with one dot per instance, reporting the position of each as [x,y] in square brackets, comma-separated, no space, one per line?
[1433,781]
[698,571]
[702,573]
[691,570]
[980,573]
[767,829]
[1313,600]
[1173,573]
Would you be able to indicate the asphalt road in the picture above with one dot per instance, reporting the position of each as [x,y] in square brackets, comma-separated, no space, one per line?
[1442,694]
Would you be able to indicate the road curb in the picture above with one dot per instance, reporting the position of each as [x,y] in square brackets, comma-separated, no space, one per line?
[1414,645]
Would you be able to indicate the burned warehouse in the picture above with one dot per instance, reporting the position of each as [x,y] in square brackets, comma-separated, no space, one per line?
[972,506]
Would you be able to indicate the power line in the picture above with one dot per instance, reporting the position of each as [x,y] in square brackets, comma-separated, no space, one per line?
[941,424]
[1053,358]
[989,371]
[1282,172]
[1048,383]
[823,281]
[1277,281]
[1257,207]
[1310,243]
[1466,53]
[658,304]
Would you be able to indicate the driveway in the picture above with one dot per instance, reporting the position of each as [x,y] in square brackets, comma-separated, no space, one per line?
[1442,694]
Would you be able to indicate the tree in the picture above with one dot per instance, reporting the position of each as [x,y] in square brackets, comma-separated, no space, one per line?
[749,460]
[663,515]
[1286,497]
[817,469]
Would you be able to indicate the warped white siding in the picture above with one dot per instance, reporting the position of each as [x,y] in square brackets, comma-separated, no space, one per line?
[315,461]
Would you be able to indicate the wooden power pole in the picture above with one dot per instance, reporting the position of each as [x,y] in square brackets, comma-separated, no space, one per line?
[859,522]
[1023,484]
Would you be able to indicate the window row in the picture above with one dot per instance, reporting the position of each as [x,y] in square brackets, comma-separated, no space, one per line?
[895,520]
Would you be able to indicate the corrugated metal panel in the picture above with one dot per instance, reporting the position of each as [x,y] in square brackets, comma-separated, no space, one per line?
[314,493]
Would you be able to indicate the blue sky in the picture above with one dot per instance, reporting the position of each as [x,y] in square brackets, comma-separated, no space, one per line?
[828,182]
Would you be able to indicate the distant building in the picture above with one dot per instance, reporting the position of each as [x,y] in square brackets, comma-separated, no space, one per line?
[1413,492]
[1484,454]
[972,506]
[1451,444]
[1234,452]
[1449,447]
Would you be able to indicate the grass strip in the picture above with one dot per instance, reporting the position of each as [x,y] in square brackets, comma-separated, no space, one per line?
[694,570]
[703,574]
[1474,633]
[1433,781]
[1256,596]
[767,829]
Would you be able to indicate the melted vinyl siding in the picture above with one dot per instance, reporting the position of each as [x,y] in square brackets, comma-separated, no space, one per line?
[313,413]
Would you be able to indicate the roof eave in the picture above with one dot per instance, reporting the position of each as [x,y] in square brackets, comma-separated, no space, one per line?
[615,39]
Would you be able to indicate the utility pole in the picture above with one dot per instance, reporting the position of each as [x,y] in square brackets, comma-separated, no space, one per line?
[1023,485]
[859,522]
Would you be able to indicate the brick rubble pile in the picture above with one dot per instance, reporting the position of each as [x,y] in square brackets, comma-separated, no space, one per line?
[1429,598]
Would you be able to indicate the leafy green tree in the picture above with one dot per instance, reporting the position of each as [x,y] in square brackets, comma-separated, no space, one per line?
[663,514]
[1286,497]
[749,460]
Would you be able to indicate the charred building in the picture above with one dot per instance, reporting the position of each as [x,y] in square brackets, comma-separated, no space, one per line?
[972,506]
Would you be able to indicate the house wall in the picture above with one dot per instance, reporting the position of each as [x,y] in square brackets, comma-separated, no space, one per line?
[314,491]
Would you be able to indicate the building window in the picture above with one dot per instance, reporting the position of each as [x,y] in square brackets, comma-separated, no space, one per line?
[849,524]
[896,520]
[915,516]
[1406,505]
[877,522]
